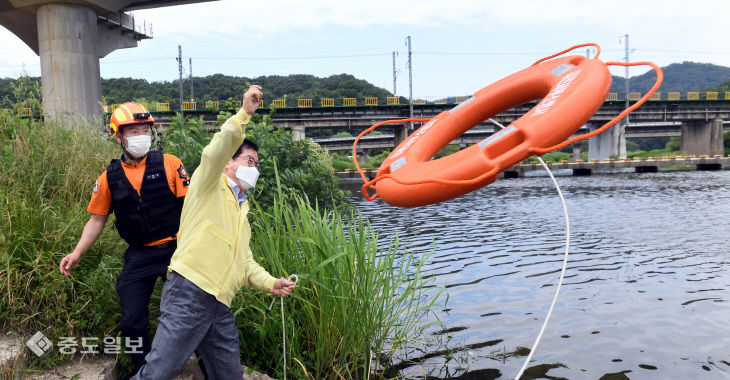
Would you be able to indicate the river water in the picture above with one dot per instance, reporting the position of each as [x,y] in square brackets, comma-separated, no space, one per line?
[645,294]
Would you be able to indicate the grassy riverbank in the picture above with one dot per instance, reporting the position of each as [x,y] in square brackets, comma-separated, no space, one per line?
[47,177]
[355,305]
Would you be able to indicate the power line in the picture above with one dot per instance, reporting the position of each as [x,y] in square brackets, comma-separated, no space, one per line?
[294,57]
[180,68]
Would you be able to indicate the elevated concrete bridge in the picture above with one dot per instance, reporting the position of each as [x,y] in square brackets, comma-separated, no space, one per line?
[70,36]
[700,124]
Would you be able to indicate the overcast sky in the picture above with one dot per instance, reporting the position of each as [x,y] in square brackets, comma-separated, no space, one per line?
[458,46]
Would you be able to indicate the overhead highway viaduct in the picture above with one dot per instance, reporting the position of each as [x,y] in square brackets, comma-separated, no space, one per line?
[699,124]
[70,36]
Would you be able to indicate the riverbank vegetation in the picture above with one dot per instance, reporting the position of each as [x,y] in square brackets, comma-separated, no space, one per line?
[217,87]
[357,300]
[641,148]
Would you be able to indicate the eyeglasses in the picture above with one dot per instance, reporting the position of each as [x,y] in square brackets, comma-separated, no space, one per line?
[251,161]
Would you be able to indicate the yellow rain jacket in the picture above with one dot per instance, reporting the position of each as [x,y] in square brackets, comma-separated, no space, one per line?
[212,250]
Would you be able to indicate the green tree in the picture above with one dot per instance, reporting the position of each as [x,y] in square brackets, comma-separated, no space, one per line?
[186,140]
[303,166]
[342,134]
[673,144]
[27,93]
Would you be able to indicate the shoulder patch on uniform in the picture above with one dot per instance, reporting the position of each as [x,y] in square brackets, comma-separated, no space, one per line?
[96,187]
[182,172]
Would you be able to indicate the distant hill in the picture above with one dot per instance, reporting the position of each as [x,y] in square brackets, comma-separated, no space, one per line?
[723,87]
[682,77]
[221,87]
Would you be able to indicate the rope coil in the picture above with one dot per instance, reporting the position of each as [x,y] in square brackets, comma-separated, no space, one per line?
[293,278]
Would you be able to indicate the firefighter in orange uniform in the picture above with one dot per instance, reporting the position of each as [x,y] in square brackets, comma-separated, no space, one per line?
[145,190]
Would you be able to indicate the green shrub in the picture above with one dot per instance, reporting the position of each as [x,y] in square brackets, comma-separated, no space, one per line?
[447,150]
[187,140]
[304,167]
[673,144]
[354,304]
[353,299]
[552,156]
[48,176]
[651,153]
[341,134]
[341,162]
[27,93]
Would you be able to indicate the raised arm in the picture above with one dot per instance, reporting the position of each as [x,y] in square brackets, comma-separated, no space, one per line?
[225,142]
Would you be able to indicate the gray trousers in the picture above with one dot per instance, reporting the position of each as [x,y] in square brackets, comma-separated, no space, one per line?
[192,319]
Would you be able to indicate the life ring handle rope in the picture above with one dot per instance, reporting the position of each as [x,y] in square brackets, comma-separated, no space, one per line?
[533,150]
[595,45]
[642,100]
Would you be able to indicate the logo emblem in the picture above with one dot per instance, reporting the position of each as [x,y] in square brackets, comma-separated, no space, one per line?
[182,172]
[39,344]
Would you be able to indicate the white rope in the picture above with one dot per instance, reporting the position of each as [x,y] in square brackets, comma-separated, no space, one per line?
[562,272]
[293,278]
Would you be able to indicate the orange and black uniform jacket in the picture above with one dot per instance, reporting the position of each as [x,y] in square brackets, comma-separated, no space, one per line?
[177,180]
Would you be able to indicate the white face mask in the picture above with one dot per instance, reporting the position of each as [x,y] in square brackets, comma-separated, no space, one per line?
[138,146]
[247,175]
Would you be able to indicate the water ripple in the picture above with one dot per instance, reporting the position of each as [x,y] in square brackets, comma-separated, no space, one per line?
[645,292]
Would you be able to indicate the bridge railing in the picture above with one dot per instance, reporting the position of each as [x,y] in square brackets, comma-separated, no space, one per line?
[400,100]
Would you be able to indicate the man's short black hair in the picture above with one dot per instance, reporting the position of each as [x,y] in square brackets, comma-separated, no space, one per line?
[246,144]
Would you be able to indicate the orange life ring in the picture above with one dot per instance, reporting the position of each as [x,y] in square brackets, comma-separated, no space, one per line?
[572,89]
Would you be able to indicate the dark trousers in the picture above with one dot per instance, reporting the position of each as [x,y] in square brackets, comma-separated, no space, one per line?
[142,267]
[192,319]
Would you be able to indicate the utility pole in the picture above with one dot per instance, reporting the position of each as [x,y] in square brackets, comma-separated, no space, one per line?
[410,82]
[180,68]
[394,76]
[622,129]
[192,94]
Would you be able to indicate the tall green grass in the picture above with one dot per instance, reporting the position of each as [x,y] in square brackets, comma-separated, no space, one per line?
[47,177]
[354,306]
[355,303]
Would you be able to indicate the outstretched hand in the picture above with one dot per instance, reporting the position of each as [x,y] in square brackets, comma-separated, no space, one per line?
[252,99]
[68,262]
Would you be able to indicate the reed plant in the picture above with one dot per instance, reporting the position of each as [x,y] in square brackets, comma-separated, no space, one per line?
[355,304]
[47,177]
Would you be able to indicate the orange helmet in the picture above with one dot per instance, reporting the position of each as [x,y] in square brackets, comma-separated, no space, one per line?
[129,113]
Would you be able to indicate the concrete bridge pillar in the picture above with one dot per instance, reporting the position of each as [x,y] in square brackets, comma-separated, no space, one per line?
[70,77]
[577,151]
[362,155]
[600,146]
[702,137]
[297,133]
[400,133]
[607,144]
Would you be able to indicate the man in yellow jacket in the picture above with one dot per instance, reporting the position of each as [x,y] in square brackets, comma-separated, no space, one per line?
[213,259]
